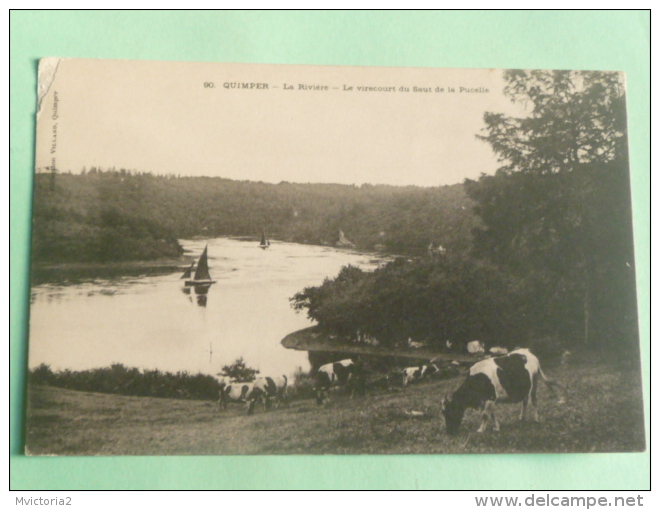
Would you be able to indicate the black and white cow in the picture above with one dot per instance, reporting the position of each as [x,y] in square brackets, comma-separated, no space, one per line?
[512,378]
[274,389]
[340,373]
[264,389]
[261,389]
[411,374]
[232,391]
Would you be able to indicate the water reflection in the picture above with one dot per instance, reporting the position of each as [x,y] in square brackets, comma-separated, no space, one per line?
[140,320]
[202,292]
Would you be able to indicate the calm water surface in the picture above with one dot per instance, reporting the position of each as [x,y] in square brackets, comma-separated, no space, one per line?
[155,322]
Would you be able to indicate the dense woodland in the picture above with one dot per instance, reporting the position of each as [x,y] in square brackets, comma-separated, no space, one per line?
[118,215]
[552,256]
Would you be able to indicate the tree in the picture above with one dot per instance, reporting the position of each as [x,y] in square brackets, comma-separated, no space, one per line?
[557,212]
[336,304]
[239,371]
[576,117]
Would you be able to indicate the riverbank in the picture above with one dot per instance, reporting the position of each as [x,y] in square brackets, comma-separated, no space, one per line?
[73,272]
[314,340]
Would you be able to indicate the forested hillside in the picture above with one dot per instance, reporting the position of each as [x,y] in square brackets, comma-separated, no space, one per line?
[121,215]
[553,254]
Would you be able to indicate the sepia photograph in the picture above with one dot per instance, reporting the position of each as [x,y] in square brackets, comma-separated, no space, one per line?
[242,259]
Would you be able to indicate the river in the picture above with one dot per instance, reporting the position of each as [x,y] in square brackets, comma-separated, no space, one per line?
[154,322]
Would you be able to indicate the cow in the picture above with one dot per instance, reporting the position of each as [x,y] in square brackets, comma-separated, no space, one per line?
[416,373]
[512,378]
[275,390]
[340,373]
[232,391]
[223,382]
[476,347]
[263,389]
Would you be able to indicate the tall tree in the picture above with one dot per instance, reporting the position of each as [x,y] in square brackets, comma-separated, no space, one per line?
[557,212]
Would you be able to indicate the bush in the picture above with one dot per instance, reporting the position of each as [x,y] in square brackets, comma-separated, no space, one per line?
[120,380]
[41,375]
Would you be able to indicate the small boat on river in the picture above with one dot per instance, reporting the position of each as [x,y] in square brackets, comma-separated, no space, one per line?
[202,276]
[265,243]
[188,273]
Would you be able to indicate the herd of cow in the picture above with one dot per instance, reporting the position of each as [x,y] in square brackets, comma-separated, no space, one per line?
[511,378]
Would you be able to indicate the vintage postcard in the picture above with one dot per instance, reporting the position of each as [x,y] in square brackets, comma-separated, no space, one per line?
[271,259]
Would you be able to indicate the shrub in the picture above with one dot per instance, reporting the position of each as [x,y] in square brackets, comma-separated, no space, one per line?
[120,380]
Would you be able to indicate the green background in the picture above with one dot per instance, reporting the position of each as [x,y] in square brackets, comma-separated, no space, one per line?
[508,39]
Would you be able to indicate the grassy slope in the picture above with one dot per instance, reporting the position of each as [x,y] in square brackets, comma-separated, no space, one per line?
[603,413]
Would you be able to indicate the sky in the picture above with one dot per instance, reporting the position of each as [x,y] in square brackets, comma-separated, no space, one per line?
[241,121]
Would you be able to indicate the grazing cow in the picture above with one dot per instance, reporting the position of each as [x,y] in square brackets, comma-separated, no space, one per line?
[223,382]
[512,378]
[266,390]
[245,392]
[235,392]
[416,373]
[275,390]
[476,347]
[261,388]
[341,373]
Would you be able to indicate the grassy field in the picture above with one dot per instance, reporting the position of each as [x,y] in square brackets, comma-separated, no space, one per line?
[603,413]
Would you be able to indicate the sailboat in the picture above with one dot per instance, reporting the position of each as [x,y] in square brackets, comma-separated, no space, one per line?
[188,272]
[202,276]
[265,243]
